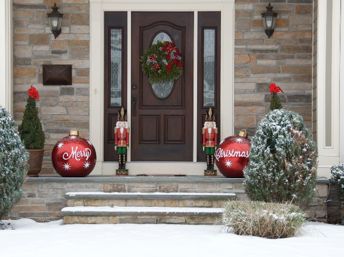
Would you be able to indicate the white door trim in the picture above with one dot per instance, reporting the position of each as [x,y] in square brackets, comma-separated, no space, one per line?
[341,82]
[329,153]
[6,87]
[97,9]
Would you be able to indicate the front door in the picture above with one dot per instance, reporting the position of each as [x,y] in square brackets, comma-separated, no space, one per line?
[162,121]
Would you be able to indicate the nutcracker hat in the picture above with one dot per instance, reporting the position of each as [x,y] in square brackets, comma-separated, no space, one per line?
[122,114]
[210,115]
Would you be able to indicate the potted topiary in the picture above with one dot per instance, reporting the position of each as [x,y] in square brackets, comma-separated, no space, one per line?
[32,134]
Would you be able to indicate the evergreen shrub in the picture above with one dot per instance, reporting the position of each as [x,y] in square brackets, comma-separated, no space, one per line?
[13,163]
[270,220]
[283,160]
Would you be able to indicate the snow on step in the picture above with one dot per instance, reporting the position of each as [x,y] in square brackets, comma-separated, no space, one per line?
[153,195]
[106,211]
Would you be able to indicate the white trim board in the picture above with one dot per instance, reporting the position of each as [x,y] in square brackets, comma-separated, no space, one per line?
[6,54]
[97,9]
[342,82]
[329,154]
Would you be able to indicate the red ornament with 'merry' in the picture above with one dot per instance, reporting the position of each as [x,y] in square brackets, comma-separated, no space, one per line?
[73,156]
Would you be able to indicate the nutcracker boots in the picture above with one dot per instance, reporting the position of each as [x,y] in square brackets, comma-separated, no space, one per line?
[122,171]
[210,171]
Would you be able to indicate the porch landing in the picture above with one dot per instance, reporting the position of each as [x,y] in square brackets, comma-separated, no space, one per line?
[45,197]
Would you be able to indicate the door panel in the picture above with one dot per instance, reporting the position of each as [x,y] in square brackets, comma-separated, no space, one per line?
[162,127]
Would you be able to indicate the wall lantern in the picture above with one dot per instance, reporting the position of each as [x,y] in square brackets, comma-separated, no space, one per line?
[269,20]
[55,20]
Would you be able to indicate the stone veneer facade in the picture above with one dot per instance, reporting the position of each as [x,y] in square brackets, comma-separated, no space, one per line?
[61,108]
[285,58]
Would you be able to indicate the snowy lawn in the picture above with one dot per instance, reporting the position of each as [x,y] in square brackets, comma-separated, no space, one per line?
[55,240]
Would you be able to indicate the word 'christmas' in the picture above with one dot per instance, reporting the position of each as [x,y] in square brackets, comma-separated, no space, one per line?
[220,153]
[76,155]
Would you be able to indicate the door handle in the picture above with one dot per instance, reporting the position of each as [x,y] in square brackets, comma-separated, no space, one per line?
[133,106]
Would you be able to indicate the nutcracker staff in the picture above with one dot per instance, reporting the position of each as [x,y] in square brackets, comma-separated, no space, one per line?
[121,141]
[209,142]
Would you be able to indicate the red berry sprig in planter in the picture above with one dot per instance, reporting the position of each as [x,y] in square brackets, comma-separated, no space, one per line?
[275,99]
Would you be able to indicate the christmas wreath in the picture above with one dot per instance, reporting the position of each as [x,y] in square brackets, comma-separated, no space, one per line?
[162,62]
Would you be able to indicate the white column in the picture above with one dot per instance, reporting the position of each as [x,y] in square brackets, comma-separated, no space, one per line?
[342,83]
[6,54]
[328,91]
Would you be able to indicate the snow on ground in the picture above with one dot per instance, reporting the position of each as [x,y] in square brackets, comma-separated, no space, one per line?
[54,239]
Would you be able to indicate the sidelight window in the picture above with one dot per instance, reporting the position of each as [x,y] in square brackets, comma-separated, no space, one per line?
[116,67]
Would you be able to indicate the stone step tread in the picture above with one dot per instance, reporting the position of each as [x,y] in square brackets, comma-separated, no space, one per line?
[149,196]
[138,211]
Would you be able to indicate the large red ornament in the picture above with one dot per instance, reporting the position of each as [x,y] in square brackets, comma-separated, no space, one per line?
[73,156]
[232,156]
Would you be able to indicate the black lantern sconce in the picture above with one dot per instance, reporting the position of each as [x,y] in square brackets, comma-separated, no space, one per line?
[269,20]
[55,20]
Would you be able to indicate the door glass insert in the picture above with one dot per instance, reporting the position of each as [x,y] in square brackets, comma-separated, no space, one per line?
[161,36]
[116,67]
[163,89]
[209,68]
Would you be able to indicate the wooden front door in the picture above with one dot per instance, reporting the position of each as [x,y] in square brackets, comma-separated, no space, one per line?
[162,121]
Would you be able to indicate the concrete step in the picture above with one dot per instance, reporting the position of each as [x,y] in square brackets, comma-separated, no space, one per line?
[177,199]
[141,215]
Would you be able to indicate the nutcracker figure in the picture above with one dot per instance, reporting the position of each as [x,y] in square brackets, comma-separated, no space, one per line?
[209,142]
[121,142]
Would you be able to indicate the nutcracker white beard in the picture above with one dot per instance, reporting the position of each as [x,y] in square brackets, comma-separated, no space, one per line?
[122,124]
[210,124]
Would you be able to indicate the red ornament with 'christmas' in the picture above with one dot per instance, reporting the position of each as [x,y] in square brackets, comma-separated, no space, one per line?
[74,156]
[232,155]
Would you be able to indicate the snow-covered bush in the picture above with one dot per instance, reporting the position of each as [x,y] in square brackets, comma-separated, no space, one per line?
[283,160]
[13,162]
[337,175]
[271,220]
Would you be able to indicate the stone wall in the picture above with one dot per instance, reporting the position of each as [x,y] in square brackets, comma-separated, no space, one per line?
[61,107]
[285,58]
[43,197]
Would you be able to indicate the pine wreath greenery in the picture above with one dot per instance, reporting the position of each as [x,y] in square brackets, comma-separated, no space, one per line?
[162,62]
[30,130]
[283,160]
[13,162]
